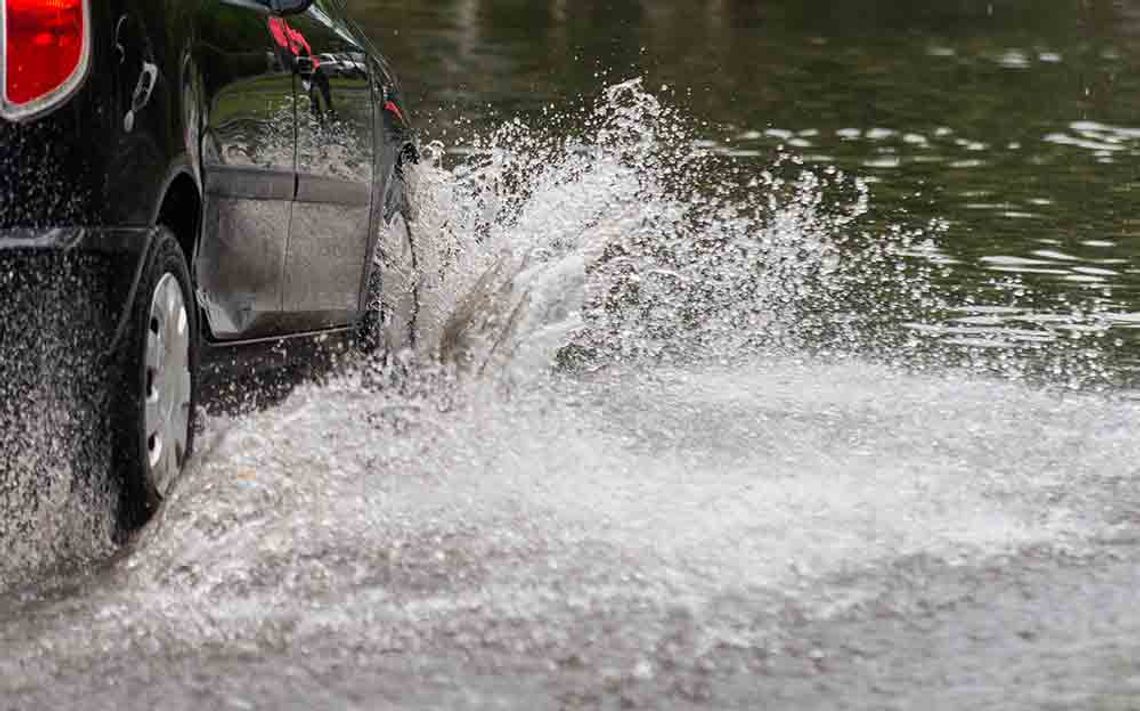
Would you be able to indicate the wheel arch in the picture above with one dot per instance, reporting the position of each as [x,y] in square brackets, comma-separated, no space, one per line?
[180,210]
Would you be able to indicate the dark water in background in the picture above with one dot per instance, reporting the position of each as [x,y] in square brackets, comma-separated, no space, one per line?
[1006,132]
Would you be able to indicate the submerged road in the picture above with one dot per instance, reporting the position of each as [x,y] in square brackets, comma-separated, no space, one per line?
[777,534]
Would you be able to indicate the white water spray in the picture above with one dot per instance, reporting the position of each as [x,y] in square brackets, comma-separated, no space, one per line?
[623,240]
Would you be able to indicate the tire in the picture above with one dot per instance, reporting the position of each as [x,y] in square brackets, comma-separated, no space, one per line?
[388,325]
[155,403]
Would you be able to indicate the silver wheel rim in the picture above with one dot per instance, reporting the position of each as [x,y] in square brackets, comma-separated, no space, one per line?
[167,385]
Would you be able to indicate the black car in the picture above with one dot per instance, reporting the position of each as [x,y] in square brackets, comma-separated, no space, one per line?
[193,174]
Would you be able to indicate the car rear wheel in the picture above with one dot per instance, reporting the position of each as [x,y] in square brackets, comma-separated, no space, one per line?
[155,406]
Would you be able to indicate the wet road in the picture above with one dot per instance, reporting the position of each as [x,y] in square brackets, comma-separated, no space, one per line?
[803,535]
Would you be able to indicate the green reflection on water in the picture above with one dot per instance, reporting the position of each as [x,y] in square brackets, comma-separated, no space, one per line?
[1013,123]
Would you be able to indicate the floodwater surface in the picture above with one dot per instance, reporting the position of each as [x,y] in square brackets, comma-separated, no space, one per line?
[768,355]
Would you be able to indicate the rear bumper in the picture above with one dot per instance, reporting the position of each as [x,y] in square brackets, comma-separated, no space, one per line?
[69,283]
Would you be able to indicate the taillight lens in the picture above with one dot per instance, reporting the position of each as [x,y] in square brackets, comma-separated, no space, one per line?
[45,47]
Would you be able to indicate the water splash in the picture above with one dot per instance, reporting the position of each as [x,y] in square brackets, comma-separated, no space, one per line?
[613,238]
[611,234]
[625,240]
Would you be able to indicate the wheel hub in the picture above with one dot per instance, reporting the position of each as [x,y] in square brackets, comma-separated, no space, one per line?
[168,385]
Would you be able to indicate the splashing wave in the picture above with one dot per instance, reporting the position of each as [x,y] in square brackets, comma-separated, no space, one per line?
[623,240]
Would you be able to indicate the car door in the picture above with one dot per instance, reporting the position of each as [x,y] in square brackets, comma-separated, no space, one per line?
[331,223]
[248,163]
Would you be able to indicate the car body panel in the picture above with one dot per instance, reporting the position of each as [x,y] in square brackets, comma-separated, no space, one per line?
[332,213]
[197,92]
[248,161]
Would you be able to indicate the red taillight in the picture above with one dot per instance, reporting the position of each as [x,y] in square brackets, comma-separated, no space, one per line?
[45,46]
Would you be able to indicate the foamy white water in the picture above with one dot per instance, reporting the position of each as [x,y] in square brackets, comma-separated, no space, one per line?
[626,240]
[627,533]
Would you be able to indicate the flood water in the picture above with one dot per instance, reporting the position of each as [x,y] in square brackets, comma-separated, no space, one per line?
[769,355]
